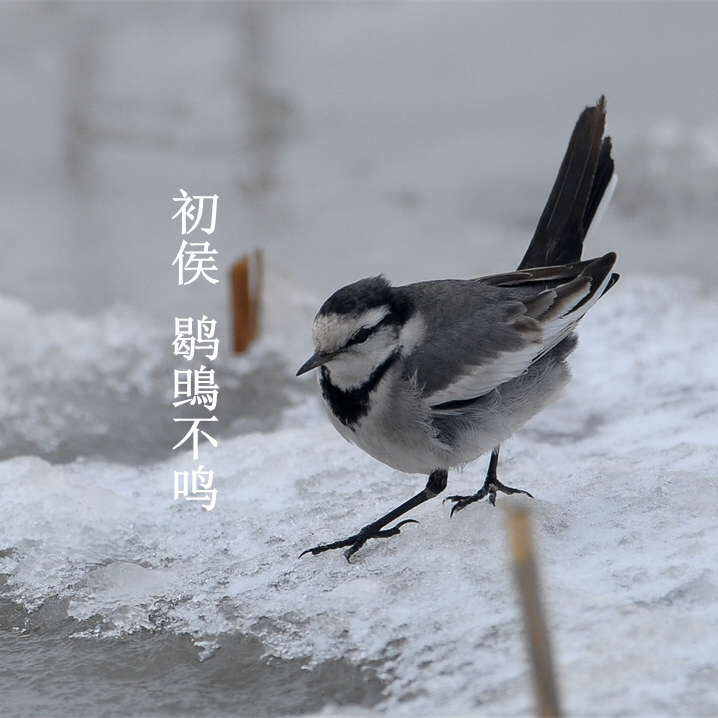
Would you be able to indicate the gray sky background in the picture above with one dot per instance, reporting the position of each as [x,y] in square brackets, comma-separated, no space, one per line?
[348,139]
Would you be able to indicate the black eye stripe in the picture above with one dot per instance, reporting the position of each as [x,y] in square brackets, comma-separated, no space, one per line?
[361,336]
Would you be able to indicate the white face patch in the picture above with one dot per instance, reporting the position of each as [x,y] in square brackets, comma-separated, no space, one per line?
[412,333]
[332,331]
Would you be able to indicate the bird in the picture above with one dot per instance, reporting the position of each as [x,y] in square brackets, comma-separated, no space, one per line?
[429,376]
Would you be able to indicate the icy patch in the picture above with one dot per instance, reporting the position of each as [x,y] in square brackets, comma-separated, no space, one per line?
[624,474]
[73,386]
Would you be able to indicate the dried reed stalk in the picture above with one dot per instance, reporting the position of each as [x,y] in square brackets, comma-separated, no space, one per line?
[247,278]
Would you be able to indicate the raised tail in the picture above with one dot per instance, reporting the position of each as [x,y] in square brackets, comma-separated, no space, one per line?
[580,194]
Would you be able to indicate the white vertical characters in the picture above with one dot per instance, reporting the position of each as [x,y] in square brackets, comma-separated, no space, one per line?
[194,432]
[198,386]
[186,343]
[200,487]
[187,210]
[198,260]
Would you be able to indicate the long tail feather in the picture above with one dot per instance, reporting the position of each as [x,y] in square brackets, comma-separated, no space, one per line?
[583,178]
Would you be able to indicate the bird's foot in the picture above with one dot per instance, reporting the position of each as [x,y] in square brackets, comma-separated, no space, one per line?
[355,542]
[490,487]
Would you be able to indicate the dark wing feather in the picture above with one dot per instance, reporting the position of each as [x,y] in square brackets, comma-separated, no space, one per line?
[481,333]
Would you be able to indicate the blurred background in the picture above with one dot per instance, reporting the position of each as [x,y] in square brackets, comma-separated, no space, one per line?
[344,139]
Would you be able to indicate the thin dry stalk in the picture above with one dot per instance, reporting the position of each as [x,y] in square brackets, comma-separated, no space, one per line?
[522,555]
[247,279]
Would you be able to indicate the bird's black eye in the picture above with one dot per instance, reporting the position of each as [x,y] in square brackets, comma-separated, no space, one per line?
[361,336]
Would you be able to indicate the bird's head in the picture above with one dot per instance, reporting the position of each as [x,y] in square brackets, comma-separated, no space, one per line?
[357,329]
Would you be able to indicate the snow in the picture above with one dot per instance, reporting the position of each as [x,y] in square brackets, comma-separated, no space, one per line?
[623,470]
[426,152]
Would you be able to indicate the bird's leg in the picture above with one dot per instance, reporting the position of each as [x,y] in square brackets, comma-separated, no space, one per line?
[435,485]
[490,487]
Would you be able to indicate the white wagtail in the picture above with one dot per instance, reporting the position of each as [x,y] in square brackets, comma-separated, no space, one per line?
[430,376]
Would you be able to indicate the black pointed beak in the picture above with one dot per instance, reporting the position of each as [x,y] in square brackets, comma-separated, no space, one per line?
[317,359]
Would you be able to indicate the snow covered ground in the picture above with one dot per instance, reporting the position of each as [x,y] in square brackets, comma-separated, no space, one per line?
[624,474]
[380,155]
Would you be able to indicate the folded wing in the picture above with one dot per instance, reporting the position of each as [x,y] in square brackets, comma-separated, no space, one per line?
[495,327]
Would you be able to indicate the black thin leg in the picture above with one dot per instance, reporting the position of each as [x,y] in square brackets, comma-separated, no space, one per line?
[435,485]
[490,487]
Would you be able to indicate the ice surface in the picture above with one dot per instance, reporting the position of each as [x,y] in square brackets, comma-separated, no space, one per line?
[623,470]
[75,386]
